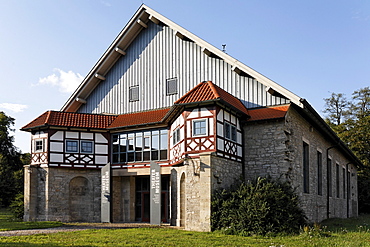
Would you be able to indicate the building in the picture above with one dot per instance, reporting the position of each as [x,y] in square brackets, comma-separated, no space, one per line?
[162,97]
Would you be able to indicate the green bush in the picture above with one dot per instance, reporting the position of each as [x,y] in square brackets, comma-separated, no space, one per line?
[17,206]
[261,207]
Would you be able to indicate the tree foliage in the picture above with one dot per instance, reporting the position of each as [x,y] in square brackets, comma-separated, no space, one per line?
[261,207]
[11,163]
[350,119]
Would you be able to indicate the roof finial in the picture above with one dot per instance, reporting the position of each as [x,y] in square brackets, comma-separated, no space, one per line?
[224,48]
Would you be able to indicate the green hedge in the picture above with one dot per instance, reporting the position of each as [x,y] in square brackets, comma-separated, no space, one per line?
[260,207]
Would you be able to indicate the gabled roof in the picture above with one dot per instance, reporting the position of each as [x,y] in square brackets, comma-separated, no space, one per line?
[207,91]
[268,113]
[142,16]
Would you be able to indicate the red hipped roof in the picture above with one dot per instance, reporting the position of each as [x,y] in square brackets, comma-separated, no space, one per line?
[207,91]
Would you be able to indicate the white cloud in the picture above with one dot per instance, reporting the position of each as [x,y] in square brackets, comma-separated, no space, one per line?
[13,107]
[67,82]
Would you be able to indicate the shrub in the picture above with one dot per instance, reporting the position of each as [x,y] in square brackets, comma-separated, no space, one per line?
[260,207]
[17,206]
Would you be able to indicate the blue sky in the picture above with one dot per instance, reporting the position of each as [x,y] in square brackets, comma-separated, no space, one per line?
[312,48]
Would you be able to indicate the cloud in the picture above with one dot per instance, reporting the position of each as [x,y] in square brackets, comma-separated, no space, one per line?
[67,82]
[106,4]
[13,107]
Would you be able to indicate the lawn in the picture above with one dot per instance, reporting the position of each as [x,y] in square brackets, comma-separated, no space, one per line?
[334,232]
[7,222]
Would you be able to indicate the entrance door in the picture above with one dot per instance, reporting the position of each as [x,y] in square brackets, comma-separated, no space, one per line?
[142,200]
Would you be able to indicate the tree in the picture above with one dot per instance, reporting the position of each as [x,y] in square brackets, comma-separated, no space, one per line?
[11,163]
[351,121]
[337,107]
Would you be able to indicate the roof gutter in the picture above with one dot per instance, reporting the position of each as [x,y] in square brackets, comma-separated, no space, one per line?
[313,115]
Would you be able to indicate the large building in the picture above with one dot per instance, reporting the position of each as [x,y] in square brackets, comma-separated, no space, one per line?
[163,120]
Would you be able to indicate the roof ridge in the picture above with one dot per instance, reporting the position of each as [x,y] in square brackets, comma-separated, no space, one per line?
[214,89]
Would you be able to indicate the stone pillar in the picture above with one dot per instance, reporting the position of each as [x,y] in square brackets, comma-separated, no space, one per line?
[30,193]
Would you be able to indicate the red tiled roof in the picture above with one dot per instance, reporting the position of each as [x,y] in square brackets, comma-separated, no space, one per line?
[139,118]
[206,91]
[69,119]
[268,113]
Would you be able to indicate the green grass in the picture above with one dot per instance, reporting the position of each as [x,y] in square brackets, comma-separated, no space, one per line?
[333,232]
[7,222]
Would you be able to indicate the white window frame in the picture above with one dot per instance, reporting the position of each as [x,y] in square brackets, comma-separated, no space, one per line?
[195,121]
[176,136]
[35,145]
[66,147]
[92,147]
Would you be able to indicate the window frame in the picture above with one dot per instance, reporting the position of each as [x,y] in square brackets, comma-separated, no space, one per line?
[36,150]
[70,141]
[230,132]
[205,128]
[168,81]
[131,93]
[87,152]
[176,136]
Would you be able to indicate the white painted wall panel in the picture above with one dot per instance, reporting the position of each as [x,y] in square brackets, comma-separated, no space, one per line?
[56,146]
[70,134]
[101,149]
[101,160]
[56,157]
[57,136]
[99,138]
[87,136]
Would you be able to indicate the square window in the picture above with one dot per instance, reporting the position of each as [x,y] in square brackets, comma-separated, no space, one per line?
[171,86]
[39,147]
[71,146]
[87,147]
[200,127]
[134,93]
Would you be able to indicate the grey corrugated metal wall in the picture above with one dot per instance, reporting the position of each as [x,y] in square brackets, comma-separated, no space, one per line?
[156,55]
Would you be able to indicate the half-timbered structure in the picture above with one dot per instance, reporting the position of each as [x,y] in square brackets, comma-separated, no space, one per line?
[160,94]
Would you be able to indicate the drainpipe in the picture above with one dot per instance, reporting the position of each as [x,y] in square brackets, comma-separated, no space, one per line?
[348,186]
[327,182]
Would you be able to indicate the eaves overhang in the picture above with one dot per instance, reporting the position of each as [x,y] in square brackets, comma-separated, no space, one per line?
[138,22]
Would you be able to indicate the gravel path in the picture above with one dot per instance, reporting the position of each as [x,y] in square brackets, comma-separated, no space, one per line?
[75,227]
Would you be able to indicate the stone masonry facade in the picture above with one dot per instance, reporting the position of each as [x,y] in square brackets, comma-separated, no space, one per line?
[275,148]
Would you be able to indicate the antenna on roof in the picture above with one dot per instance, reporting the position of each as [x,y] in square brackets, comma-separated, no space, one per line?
[224,48]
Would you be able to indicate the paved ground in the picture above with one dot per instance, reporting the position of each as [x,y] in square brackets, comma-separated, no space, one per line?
[76,227]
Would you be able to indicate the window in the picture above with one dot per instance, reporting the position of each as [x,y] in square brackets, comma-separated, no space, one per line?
[233,133]
[306,168]
[39,147]
[319,173]
[140,146]
[344,182]
[134,93]
[200,127]
[71,146]
[329,177]
[227,131]
[230,131]
[176,136]
[87,147]
[171,86]
[337,180]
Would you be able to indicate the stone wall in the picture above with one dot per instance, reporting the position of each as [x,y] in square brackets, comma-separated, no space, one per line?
[62,194]
[275,148]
